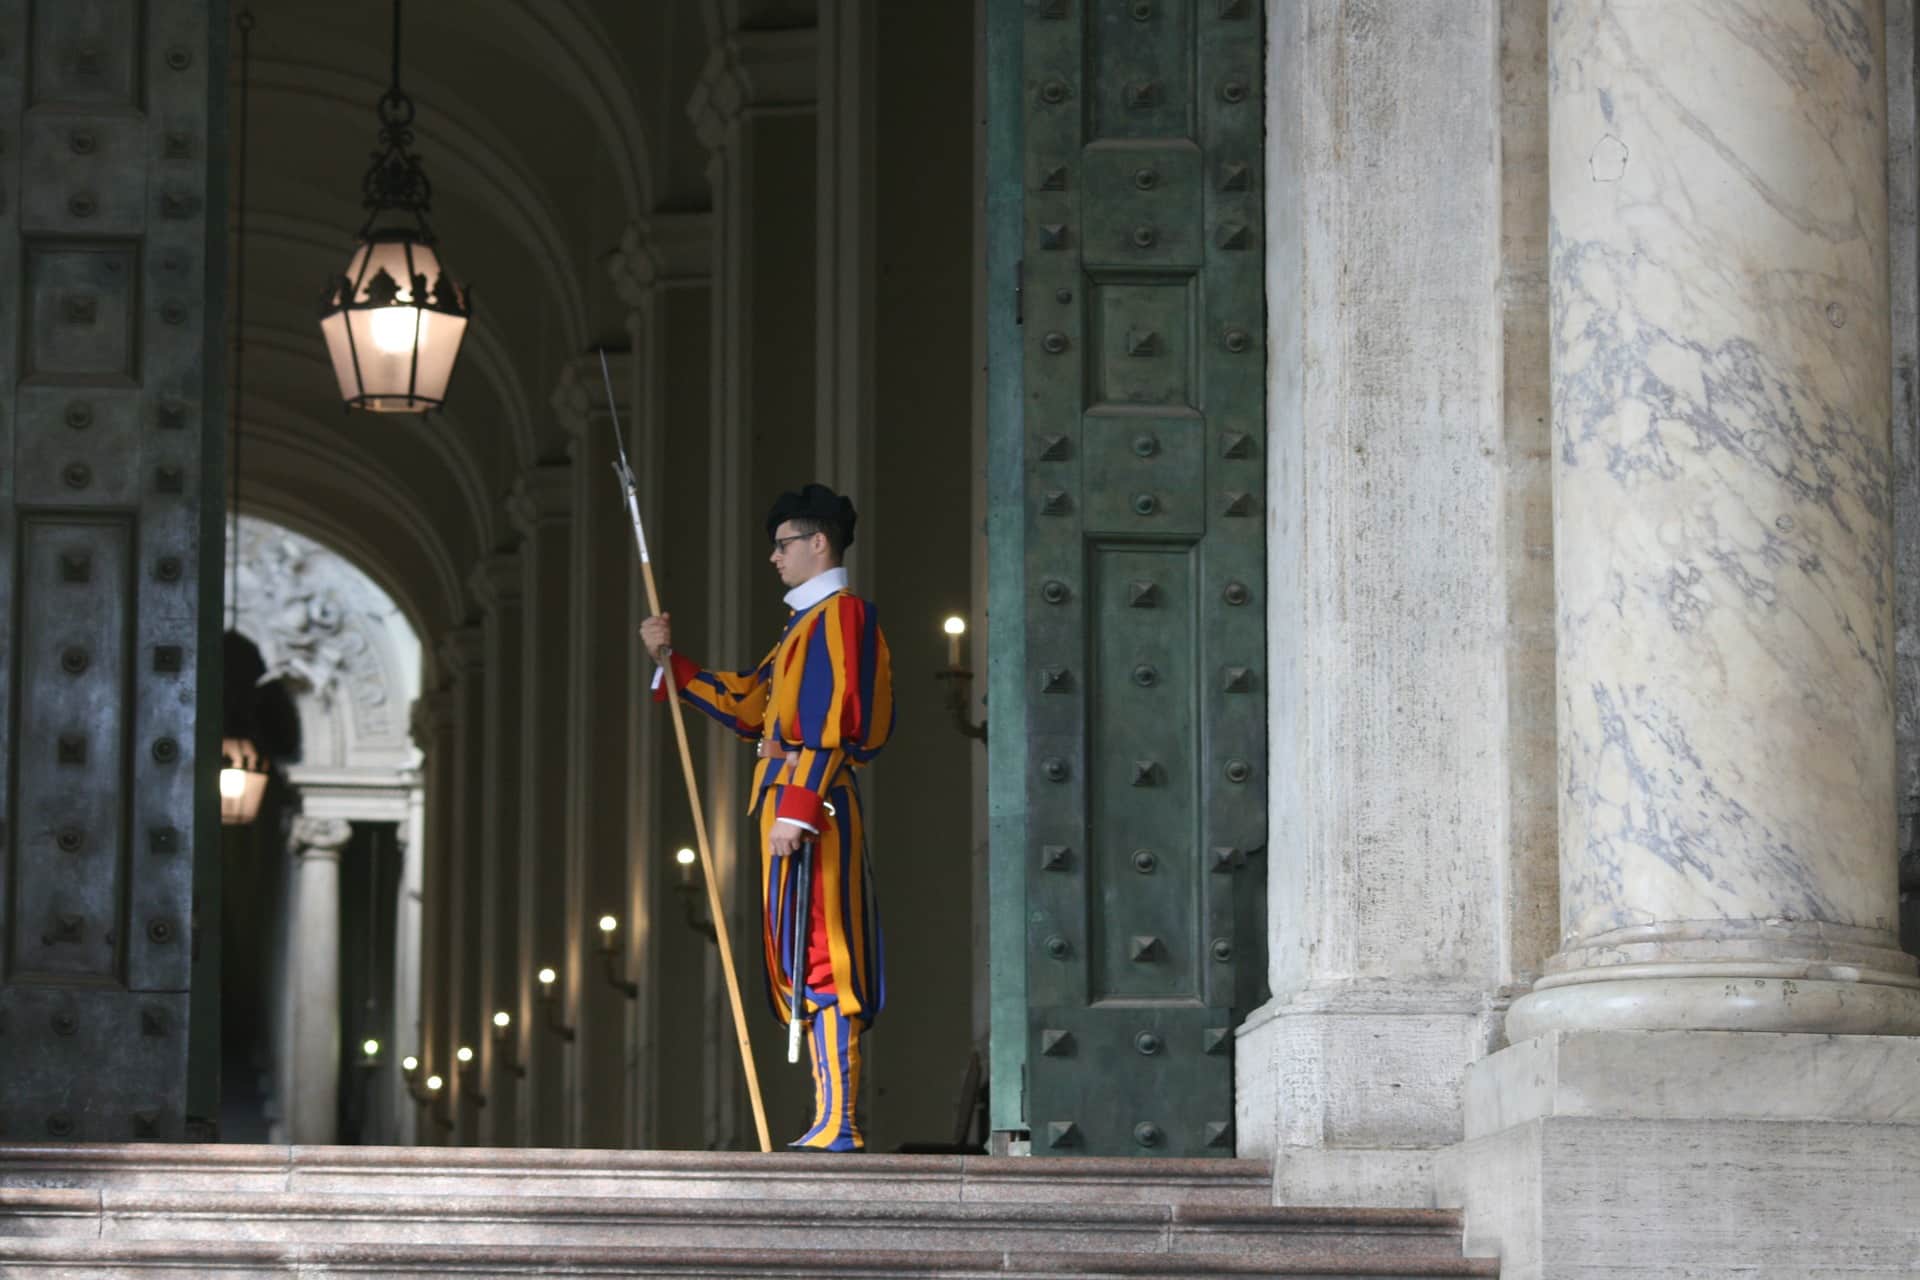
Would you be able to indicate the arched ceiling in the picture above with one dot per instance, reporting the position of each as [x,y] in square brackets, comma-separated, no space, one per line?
[547,127]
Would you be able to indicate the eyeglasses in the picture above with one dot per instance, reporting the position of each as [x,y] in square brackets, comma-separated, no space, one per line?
[780,544]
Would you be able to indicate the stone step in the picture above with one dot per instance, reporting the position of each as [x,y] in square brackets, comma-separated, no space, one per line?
[93,1259]
[679,1175]
[1275,1235]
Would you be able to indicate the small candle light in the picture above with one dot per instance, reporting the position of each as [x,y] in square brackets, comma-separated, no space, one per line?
[686,858]
[370,1048]
[501,1021]
[607,926]
[546,977]
[464,1054]
[434,1083]
[955,627]
[409,1064]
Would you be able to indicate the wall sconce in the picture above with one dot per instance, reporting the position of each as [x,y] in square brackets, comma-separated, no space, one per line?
[410,1072]
[691,899]
[469,1077]
[369,1053]
[430,1098]
[547,978]
[505,1051]
[958,679]
[608,957]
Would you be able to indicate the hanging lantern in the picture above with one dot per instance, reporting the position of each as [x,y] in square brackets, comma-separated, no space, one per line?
[243,781]
[394,319]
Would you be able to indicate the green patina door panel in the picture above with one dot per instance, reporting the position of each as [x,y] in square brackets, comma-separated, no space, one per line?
[1142,407]
[113,249]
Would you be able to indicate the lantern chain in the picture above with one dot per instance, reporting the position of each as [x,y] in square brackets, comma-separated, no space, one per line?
[395,181]
[245,23]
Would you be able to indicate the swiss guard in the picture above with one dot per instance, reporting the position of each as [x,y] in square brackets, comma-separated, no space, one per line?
[817,709]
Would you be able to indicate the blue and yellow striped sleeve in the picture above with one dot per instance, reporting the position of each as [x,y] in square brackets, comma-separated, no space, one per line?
[841,707]
[737,699]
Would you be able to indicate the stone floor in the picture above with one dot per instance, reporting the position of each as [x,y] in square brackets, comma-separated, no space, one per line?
[231,1210]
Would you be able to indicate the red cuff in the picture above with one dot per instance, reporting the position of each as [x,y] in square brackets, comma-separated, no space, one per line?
[802,805]
[684,670]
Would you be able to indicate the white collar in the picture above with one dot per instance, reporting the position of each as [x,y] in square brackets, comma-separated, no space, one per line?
[817,588]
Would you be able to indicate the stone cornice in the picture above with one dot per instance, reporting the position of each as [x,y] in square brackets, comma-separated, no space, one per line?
[495,581]
[543,495]
[662,248]
[579,399]
[750,71]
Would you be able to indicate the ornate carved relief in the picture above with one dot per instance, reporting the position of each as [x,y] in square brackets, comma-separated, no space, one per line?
[337,640]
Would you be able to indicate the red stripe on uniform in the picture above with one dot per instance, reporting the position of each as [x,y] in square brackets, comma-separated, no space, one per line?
[852,626]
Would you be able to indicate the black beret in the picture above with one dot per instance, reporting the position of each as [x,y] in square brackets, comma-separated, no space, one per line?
[814,502]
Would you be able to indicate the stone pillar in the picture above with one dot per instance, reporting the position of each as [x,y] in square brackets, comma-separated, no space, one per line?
[429,895]
[542,509]
[493,931]
[1403,831]
[409,950]
[598,776]
[663,272]
[312,1099]
[1723,526]
[462,893]
[1714,1074]
[754,111]
[845,230]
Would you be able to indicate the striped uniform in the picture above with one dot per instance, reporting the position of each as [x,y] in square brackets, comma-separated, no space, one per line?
[825,694]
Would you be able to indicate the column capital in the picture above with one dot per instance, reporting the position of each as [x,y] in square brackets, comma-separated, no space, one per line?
[319,836]
[749,71]
[433,713]
[542,496]
[462,650]
[662,248]
[579,398]
[495,581]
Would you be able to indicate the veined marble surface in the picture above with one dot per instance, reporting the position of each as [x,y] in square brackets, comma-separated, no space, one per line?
[1722,469]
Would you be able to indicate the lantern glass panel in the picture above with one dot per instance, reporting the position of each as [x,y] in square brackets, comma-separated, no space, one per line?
[390,352]
[440,338]
[243,781]
[334,329]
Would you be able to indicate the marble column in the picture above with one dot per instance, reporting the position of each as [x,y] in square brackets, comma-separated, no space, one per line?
[542,509]
[1723,523]
[601,573]
[663,272]
[493,930]
[753,109]
[313,980]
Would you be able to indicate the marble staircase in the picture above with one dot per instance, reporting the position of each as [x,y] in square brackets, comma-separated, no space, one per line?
[231,1210]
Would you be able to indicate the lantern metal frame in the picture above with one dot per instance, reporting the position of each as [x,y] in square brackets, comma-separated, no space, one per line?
[394,183]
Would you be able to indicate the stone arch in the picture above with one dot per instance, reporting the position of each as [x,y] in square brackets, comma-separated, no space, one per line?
[351,659]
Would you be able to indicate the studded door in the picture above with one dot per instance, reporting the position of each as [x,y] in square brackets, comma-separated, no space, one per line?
[1142,320]
[107,433]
